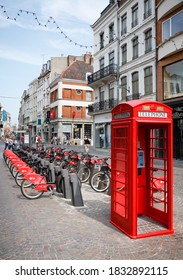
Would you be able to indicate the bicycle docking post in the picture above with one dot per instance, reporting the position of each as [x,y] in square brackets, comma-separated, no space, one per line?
[52,172]
[59,180]
[66,184]
[76,197]
[109,190]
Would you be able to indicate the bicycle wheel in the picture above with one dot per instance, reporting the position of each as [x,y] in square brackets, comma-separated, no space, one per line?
[100,181]
[84,174]
[28,190]
[18,179]
[13,170]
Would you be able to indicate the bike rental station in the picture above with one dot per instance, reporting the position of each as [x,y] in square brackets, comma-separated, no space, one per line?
[142,168]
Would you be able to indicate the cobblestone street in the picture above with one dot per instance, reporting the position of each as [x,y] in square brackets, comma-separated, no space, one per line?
[54,229]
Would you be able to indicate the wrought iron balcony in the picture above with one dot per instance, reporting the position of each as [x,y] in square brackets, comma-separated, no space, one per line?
[103,73]
[133,96]
[148,13]
[106,105]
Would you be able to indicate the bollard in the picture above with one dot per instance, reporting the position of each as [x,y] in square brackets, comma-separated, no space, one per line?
[51,172]
[66,184]
[59,179]
[109,190]
[76,197]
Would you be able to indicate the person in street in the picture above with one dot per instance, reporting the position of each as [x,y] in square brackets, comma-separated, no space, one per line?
[10,144]
[36,141]
[22,139]
[86,144]
[6,142]
[39,139]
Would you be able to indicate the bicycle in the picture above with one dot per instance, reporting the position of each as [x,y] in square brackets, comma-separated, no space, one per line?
[100,181]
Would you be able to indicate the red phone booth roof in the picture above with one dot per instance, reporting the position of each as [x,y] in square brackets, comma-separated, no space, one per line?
[143,109]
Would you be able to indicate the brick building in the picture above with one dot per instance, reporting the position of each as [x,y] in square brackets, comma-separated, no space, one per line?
[69,100]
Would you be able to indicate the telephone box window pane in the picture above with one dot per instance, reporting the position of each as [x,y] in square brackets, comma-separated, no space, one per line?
[120,180]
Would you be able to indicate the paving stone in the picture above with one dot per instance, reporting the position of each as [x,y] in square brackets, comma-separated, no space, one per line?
[53,229]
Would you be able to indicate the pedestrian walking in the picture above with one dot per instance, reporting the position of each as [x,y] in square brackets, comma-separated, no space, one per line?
[10,144]
[86,144]
[6,142]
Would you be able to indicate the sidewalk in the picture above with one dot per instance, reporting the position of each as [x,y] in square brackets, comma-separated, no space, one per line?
[54,229]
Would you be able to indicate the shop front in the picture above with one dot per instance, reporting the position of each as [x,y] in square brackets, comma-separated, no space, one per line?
[178,132]
[103,135]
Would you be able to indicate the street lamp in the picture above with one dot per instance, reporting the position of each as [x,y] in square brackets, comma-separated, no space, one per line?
[72,126]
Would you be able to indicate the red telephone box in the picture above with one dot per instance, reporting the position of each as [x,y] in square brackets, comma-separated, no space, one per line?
[142,168]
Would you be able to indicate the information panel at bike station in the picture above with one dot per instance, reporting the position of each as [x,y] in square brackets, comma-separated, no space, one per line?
[142,168]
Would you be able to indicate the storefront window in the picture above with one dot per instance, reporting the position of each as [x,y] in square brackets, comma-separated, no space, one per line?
[173,80]
[77,131]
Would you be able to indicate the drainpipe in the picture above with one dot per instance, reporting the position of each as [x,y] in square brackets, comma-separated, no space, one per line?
[118,55]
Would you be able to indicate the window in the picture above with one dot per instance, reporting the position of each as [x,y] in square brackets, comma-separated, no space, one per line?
[173,80]
[177,23]
[101,63]
[88,95]
[148,86]
[79,91]
[124,89]
[135,83]
[123,24]
[87,130]
[172,26]
[111,32]
[124,54]
[111,58]
[148,41]
[135,15]
[147,9]
[102,40]
[135,47]
[166,30]
[49,64]
[101,94]
[111,93]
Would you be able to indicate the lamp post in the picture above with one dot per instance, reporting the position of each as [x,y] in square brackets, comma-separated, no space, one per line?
[73,116]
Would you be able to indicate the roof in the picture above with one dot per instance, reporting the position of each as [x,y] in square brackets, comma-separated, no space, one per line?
[77,70]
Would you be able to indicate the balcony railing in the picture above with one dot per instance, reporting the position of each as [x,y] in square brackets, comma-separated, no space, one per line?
[148,13]
[133,96]
[102,73]
[102,106]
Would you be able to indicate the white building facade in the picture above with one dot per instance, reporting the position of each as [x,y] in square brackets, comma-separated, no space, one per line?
[124,60]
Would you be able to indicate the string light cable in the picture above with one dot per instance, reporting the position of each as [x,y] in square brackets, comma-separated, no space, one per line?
[49,21]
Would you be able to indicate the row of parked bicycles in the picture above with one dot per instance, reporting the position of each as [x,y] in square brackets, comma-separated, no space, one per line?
[37,170]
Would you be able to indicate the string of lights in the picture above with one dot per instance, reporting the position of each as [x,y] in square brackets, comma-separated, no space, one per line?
[49,21]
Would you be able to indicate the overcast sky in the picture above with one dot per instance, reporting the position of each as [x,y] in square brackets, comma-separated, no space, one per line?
[25,45]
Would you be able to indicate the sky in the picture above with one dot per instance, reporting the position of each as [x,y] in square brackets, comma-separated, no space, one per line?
[31,32]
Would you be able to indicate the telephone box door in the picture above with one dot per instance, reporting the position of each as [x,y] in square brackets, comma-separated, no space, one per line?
[122,195]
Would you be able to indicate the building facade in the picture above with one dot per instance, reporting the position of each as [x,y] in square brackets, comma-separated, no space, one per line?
[169,27]
[69,99]
[38,102]
[124,60]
